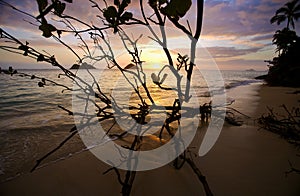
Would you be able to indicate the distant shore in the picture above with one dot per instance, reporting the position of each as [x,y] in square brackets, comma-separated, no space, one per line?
[244,161]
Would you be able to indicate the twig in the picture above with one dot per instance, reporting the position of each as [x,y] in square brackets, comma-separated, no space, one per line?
[38,162]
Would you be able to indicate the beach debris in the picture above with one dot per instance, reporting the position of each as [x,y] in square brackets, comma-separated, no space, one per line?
[292,169]
[232,119]
[286,124]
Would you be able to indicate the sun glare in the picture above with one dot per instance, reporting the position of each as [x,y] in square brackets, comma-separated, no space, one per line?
[156,66]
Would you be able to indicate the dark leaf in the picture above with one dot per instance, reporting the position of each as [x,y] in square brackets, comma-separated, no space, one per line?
[42,4]
[126,17]
[69,1]
[59,32]
[41,84]
[155,78]
[110,14]
[53,60]
[24,47]
[161,2]
[129,66]
[124,4]
[40,58]
[155,3]
[59,8]
[32,77]
[176,8]
[45,12]
[47,29]
[164,78]
[117,2]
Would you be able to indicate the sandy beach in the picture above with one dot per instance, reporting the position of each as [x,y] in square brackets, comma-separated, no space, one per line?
[244,161]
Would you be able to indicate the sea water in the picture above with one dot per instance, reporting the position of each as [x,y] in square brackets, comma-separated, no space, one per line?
[31,124]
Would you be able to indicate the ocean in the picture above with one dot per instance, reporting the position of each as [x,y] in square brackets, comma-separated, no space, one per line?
[31,124]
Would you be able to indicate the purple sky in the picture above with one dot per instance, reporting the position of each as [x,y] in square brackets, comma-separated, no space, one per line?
[237,33]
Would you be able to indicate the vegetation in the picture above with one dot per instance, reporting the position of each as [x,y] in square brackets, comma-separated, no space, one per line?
[284,69]
[113,18]
[290,12]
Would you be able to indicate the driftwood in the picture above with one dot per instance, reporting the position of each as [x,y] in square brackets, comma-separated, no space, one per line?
[286,124]
[292,169]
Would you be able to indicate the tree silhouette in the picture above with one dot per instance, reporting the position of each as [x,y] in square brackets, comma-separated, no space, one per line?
[114,15]
[284,69]
[290,12]
[284,39]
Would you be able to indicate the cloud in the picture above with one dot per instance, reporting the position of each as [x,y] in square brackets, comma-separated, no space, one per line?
[263,37]
[232,28]
[239,18]
[223,52]
[242,64]
[11,18]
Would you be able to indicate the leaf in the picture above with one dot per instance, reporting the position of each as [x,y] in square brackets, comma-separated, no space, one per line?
[155,78]
[117,2]
[42,4]
[59,32]
[155,3]
[126,17]
[41,84]
[176,8]
[40,58]
[110,14]
[45,11]
[163,79]
[69,1]
[161,2]
[152,3]
[24,47]
[124,4]
[47,29]
[59,8]
[129,66]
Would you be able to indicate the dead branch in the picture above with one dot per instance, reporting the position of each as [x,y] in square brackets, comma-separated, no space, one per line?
[39,161]
[287,125]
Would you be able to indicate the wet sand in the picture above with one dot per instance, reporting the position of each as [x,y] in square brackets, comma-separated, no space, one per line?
[244,161]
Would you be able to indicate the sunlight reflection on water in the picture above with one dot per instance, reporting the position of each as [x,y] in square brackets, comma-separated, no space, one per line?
[31,123]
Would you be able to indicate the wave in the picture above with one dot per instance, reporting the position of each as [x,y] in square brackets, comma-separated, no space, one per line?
[234,84]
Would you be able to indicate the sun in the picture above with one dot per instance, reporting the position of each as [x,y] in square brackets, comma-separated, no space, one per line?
[156,66]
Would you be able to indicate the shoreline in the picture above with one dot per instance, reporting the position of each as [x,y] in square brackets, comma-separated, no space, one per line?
[254,161]
[244,161]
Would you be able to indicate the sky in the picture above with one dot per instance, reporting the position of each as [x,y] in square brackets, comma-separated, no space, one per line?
[236,33]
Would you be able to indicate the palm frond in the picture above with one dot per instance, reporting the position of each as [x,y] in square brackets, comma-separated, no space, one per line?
[278,19]
[283,10]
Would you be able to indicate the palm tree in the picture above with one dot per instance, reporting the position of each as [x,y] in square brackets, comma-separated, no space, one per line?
[284,39]
[290,12]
